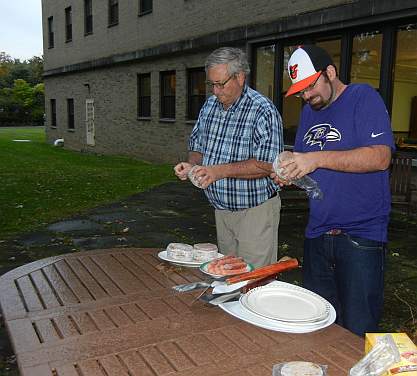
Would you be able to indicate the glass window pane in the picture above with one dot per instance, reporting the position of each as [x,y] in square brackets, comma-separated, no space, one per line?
[144,95]
[265,66]
[292,106]
[366,58]
[196,94]
[404,106]
[145,6]
[168,80]
[145,88]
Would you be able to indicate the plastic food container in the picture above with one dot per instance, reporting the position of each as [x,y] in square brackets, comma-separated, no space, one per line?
[180,251]
[192,178]
[299,368]
[205,252]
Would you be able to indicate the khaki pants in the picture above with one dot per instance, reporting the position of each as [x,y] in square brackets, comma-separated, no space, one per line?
[250,233]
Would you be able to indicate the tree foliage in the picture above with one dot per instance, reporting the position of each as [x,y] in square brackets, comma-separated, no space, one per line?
[21,91]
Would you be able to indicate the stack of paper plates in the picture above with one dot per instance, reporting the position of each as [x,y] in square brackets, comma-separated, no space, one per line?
[283,307]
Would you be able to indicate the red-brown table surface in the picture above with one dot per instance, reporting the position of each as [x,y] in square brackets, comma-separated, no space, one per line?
[113,312]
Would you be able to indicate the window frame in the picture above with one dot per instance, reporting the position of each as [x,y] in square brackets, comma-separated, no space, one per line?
[51,37]
[141,109]
[388,30]
[70,114]
[88,17]
[201,98]
[113,13]
[167,112]
[52,109]
[148,4]
[68,24]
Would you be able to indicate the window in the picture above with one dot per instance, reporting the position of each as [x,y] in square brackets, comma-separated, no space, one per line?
[53,113]
[196,92]
[68,24]
[145,6]
[168,95]
[70,113]
[265,66]
[366,58]
[50,32]
[88,17]
[404,105]
[144,95]
[113,12]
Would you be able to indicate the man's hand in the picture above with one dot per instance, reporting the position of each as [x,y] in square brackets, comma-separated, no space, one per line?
[206,175]
[299,165]
[182,169]
[277,180]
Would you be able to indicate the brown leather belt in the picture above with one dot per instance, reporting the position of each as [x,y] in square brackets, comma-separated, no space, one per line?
[334,231]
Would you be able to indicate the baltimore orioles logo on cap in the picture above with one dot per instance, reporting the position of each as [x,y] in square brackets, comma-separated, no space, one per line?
[305,65]
[293,71]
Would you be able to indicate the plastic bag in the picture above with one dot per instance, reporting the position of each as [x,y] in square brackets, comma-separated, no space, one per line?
[382,356]
[306,182]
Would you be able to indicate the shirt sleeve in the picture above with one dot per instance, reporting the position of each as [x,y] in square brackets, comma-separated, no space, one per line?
[268,137]
[372,122]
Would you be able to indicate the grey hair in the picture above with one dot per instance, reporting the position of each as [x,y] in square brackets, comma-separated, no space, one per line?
[235,59]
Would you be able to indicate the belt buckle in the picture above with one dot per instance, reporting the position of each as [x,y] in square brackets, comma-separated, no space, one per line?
[334,231]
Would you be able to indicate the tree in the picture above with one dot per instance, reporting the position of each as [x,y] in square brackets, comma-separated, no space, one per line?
[22,104]
[36,70]
[21,91]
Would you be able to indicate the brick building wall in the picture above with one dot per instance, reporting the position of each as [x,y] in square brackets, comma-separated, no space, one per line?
[177,35]
[117,129]
[170,21]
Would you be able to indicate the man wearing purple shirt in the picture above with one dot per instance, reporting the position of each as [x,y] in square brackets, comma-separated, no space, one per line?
[344,142]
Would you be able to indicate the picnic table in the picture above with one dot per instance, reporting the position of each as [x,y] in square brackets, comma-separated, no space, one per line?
[113,312]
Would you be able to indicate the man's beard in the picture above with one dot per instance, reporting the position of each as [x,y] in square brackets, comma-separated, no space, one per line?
[318,103]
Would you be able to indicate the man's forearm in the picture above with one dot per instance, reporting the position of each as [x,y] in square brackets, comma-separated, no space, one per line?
[364,159]
[249,169]
[195,158]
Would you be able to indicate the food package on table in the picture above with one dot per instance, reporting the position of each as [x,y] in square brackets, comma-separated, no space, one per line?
[299,368]
[180,251]
[204,252]
[407,366]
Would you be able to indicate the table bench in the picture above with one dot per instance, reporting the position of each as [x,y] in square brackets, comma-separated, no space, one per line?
[113,312]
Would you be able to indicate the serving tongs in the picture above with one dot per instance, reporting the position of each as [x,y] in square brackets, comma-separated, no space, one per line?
[264,271]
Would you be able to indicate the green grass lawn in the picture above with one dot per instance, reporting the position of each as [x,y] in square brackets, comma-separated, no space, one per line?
[40,183]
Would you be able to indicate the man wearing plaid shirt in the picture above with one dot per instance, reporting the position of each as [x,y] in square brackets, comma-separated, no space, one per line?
[236,138]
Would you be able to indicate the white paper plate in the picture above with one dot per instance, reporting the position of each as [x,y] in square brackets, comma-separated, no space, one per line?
[285,302]
[237,310]
[163,255]
[204,269]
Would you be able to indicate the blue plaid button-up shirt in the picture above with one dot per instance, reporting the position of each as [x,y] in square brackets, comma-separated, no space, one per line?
[251,128]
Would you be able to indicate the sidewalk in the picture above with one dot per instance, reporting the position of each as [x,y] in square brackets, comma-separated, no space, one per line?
[179,212]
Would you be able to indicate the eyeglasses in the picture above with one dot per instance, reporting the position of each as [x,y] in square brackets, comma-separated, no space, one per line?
[300,93]
[219,85]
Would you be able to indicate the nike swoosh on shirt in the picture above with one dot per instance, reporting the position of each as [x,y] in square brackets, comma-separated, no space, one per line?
[373,135]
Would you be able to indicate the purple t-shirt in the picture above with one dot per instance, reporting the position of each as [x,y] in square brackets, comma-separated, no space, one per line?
[357,203]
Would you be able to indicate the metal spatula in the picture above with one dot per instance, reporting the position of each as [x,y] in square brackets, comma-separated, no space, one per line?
[218,299]
[191,286]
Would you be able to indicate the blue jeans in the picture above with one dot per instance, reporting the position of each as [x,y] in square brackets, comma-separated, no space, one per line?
[348,271]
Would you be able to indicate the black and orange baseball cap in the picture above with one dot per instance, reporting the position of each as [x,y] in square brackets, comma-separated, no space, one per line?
[305,66]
